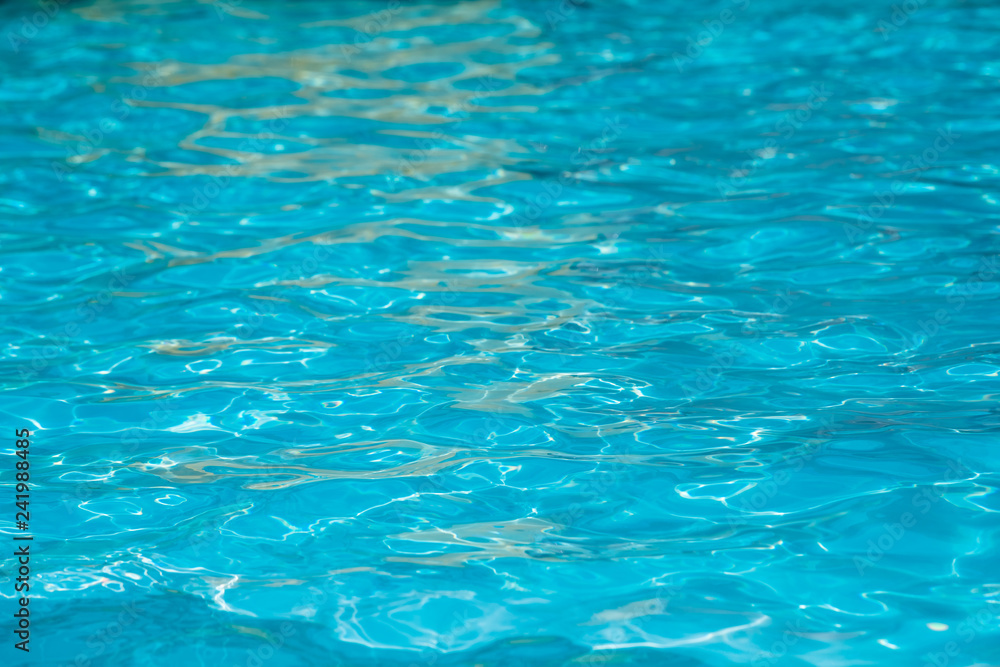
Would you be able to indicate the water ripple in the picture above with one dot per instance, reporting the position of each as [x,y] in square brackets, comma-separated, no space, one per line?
[505,332]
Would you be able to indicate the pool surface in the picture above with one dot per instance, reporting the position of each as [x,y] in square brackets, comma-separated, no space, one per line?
[503,333]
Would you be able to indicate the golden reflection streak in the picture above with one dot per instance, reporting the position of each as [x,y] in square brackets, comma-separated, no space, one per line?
[436,460]
[407,378]
[310,68]
[366,232]
[189,348]
[505,539]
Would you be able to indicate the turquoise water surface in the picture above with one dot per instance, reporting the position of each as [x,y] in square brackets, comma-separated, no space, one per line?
[503,333]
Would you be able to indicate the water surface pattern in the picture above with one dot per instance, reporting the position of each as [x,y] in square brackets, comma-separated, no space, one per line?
[505,332]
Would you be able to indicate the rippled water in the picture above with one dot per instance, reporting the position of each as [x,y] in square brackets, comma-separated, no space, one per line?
[504,332]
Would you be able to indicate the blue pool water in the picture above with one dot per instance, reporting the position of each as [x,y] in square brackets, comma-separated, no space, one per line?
[503,332]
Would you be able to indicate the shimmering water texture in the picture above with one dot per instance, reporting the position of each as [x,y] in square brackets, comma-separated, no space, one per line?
[504,332]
